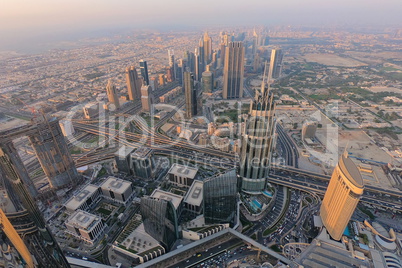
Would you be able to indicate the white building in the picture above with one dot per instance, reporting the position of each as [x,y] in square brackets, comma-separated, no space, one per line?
[85,226]
[117,190]
[182,175]
[84,199]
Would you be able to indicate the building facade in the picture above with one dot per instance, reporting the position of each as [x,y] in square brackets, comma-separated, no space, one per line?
[144,72]
[275,65]
[342,196]
[85,226]
[142,163]
[146,98]
[190,94]
[118,190]
[258,134]
[112,94]
[233,71]
[220,198]
[133,83]
[182,175]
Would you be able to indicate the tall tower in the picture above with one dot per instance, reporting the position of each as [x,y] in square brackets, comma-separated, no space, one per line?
[146,98]
[257,141]
[53,153]
[133,83]
[191,95]
[342,196]
[256,43]
[112,94]
[39,240]
[197,70]
[144,71]
[233,71]
[172,62]
[207,45]
[275,65]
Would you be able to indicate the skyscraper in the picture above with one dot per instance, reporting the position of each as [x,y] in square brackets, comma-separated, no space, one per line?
[191,95]
[197,70]
[133,83]
[112,94]
[146,98]
[257,141]
[275,65]
[39,240]
[220,198]
[342,196]
[160,220]
[172,62]
[53,153]
[256,43]
[233,71]
[144,71]
[207,48]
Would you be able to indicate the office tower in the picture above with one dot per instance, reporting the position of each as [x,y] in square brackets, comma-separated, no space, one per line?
[154,83]
[67,128]
[257,140]
[169,75]
[190,94]
[197,71]
[144,71]
[275,65]
[172,62]
[214,61]
[52,151]
[16,240]
[256,43]
[161,80]
[206,44]
[220,198]
[85,226]
[342,196]
[201,53]
[207,81]
[133,83]
[181,68]
[265,41]
[122,159]
[146,98]
[190,60]
[233,71]
[256,62]
[160,220]
[39,239]
[112,94]
[142,163]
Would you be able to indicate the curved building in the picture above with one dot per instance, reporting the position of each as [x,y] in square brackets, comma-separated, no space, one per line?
[257,141]
[342,196]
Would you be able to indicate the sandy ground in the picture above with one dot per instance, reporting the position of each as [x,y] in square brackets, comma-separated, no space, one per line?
[12,124]
[332,60]
[374,58]
[385,89]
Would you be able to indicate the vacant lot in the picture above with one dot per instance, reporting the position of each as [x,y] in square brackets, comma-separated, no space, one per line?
[332,60]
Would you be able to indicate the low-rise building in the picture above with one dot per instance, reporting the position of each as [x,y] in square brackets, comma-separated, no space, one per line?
[85,226]
[117,190]
[182,175]
[83,200]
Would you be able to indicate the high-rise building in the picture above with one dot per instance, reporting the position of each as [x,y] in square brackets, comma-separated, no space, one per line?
[122,159]
[160,220]
[39,240]
[256,43]
[220,198]
[133,83]
[142,163]
[144,71]
[233,71]
[112,94]
[197,66]
[172,62]
[275,65]
[161,80]
[207,46]
[191,95]
[154,83]
[147,99]
[342,196]
[169,74]
[207,81]
[53,153]
[257,141]
[16,240]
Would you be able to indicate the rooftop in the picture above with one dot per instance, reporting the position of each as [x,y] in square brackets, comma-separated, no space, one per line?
[116,185]
[81,197]
[351,171]
[181,170]
[83,220]
[195,193]
[174,198]
[141,152]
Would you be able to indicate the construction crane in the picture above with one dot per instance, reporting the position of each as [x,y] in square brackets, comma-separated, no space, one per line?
[33,111]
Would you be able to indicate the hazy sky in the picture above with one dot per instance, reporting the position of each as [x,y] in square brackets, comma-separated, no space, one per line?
[24,19]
